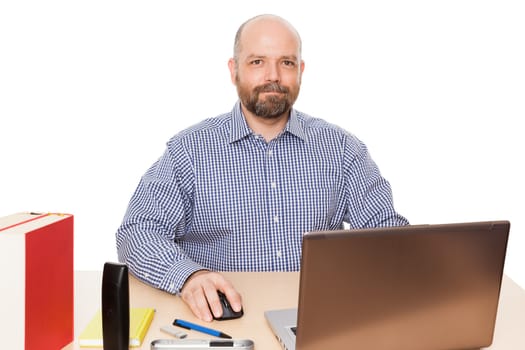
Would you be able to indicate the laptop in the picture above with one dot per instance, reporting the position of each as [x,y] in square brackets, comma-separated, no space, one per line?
[411,287]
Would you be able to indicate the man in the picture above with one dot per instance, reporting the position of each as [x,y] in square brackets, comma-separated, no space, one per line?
[237,192]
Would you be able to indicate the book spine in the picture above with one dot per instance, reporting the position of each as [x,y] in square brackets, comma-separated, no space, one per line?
[142,329]
[49,305]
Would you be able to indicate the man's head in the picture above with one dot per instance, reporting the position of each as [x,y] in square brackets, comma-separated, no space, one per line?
[266,66]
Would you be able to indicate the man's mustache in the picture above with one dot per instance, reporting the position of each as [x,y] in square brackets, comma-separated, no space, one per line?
[271,87]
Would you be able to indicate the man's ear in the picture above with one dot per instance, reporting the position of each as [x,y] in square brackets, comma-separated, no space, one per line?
[233,70]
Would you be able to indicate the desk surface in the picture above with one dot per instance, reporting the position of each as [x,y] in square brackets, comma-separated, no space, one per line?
[261,291]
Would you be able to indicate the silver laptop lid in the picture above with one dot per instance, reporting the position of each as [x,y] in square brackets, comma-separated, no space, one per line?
[413,287]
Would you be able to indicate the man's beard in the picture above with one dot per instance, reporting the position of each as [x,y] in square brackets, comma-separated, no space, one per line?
[272,106]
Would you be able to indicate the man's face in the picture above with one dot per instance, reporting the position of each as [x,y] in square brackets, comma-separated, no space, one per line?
[268,69]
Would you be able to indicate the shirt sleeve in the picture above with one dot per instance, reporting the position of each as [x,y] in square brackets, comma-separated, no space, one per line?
[159,214]
[368,194]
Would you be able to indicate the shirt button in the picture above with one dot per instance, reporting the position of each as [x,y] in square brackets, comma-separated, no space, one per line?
[275,218]
[279,253]
[270,153]
[274,184]
[172,287]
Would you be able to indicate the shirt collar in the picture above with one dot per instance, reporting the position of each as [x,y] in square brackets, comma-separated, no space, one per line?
[240,129]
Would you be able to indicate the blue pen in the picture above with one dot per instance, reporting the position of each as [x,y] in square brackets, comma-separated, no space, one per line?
[196,327]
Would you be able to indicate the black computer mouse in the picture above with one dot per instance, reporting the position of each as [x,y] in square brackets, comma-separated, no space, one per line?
[227,312]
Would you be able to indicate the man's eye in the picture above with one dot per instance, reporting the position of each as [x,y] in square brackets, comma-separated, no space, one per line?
[289,63]
[256,62]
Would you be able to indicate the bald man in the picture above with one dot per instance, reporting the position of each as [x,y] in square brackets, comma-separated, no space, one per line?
[236,192]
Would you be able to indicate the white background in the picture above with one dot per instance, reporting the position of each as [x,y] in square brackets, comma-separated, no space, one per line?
[90,91]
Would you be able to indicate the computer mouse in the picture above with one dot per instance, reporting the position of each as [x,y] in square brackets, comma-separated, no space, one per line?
[227,311]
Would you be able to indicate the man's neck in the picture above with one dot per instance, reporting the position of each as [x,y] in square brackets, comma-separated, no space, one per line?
[268,128]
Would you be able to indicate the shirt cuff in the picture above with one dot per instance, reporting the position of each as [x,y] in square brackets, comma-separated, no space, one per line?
[178,274]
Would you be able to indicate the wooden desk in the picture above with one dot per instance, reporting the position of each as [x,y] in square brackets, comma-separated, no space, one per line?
[262,291]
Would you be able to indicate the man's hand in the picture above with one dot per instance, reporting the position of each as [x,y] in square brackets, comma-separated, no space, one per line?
[201,289]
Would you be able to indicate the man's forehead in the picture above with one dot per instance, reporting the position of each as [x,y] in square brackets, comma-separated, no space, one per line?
[269,45]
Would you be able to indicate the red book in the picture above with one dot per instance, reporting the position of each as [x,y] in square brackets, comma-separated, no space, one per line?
[36,292]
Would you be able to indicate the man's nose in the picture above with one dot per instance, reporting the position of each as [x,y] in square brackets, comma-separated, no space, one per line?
[273,73]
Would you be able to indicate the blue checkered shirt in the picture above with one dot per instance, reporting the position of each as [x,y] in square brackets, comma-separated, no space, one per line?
[224,199]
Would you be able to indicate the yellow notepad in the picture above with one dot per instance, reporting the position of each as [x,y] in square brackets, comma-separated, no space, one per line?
[139,322]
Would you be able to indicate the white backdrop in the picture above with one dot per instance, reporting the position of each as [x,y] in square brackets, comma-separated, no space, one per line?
[90,91]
